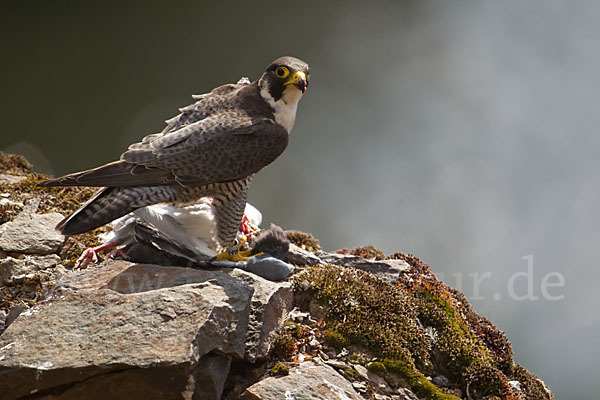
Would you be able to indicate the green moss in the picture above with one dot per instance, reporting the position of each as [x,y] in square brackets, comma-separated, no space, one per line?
[417,381]
[492,339]
[377,368]
[485,381]
[531,387]
[280,369]
[357,358]
[367,252]
[8,212]
[303,240]
[13,164]
[288,324]
[24,291]
[63,200]
[351,374]
[75,245]
[335,339]
[416,327]
[455,348]
[370,312]
[284,347]
[366,310]
[299,331]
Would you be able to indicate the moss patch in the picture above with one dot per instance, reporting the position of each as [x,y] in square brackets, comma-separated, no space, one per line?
[303,240]
[284,346]
[417,327]
[25,291]
[280,369]
[75,245]
[12,164]
[366,252]
[417,265]
[63,200]
[335,339]
[531,387]
[377,367]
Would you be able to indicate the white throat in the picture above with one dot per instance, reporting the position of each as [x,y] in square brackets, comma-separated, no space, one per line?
[285,107]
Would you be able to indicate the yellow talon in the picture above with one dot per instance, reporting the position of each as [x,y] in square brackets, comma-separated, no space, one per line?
[240,256]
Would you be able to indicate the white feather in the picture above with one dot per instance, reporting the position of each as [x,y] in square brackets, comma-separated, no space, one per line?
[285,108]
[254,216]
[191,226]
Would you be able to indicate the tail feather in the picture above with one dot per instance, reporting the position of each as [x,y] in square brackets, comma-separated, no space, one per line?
[118,173]
[111,203]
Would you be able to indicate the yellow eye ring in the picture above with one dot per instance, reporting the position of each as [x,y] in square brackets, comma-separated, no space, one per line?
[282,72]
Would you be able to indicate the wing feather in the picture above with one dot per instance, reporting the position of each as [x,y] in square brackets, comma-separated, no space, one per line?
[199,147]
[217,149]
[117,173]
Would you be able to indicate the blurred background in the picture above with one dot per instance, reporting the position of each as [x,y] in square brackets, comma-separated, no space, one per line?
[464,132]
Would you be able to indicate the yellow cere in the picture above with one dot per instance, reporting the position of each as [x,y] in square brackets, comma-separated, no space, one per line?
[298,75]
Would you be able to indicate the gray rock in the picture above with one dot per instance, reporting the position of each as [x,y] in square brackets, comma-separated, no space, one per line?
[309,380]
[300,256]
[379,383]
[11,179]
[388,270]
[270,303]
[2,321]
[31,233]
[361,387]
[406,394]
[338,364]
[441,381]
[142,331]
[5,201]
[13,313]
[11,268]
[362,371]
[211,374]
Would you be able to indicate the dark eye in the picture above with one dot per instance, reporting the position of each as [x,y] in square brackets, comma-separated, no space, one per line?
[282,72]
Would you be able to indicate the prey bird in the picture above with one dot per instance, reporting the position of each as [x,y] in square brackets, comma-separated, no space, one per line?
[212,149]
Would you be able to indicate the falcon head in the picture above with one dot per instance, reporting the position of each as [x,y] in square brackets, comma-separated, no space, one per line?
[282,85]
[285,78]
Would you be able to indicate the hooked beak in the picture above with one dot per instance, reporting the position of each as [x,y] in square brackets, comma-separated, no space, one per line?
[299,80]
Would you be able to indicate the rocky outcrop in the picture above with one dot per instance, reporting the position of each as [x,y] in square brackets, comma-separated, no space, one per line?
[32,233]
[308,380]
[168,332]
[354,324]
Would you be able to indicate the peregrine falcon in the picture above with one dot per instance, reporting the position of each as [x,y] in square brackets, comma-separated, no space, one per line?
[212,149]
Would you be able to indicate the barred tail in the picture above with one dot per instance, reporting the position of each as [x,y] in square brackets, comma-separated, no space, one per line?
[111,203]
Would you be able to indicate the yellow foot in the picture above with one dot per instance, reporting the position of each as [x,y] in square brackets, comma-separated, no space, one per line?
[239,256]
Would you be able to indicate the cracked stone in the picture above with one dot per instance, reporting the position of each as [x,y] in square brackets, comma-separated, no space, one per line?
[145,330]
[31,233]
[309,380]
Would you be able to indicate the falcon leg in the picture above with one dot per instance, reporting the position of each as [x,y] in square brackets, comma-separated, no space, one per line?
[91,254]
[229,208]
[116,253]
